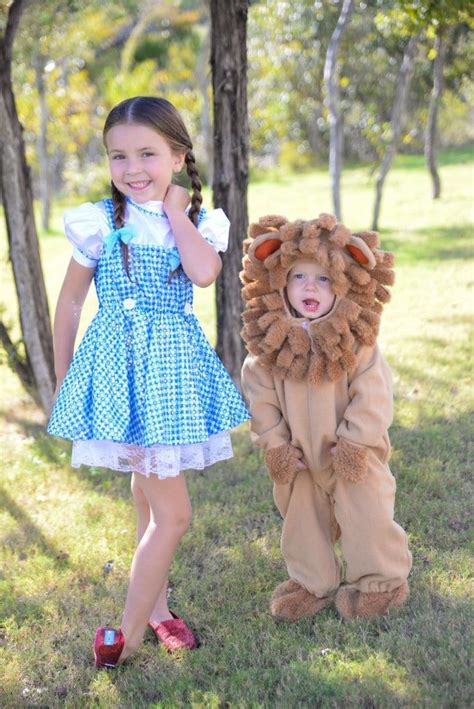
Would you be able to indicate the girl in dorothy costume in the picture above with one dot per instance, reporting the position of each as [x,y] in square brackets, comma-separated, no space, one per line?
[144,393]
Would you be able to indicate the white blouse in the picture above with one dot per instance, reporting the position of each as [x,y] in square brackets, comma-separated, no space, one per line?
[86,227]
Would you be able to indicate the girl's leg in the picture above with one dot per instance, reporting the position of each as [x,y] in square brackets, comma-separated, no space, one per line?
[160,611]
[169,517]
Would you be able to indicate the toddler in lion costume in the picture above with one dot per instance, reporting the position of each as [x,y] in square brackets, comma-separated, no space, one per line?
[320,395]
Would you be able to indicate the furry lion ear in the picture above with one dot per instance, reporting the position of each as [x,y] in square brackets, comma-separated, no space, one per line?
[360,252]
[264,245]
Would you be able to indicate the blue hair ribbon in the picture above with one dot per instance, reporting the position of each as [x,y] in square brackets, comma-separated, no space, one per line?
[125,234]
[174,259]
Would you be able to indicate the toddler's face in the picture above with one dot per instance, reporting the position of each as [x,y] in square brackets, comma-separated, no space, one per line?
[309,290]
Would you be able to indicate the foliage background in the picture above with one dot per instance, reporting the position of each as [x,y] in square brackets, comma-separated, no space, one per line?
[94,54]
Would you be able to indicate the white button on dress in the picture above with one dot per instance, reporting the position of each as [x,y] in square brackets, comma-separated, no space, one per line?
[129,303]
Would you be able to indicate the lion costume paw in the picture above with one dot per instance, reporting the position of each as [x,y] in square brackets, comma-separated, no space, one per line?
[351,603]
[291,602]
[350,461]
[282,463]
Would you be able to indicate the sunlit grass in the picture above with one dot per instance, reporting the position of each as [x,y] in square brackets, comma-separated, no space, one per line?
[60,526]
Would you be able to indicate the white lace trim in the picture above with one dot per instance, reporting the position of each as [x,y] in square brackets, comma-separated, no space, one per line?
[161,460]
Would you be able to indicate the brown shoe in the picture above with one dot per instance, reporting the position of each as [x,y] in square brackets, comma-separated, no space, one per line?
[351,603]
[291,602]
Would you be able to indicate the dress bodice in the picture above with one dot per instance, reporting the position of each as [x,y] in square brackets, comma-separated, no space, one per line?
[147,286]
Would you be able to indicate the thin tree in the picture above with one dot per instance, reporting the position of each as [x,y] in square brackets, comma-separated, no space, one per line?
[396,123]
[231,148]
[442,41]
[331,79]
[203,81]
[38,369]
[42,142]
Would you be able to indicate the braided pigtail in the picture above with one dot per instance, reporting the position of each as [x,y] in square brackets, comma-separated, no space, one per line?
[119,203]
[118,200]
[196,197]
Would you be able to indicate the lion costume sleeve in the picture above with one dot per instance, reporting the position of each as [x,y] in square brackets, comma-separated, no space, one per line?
[268,427]
[367,417]
[339,346]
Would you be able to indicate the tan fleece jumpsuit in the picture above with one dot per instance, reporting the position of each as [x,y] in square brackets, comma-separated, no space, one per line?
[358,407]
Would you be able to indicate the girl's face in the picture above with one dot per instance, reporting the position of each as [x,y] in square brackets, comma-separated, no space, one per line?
[309,290]
[141,161]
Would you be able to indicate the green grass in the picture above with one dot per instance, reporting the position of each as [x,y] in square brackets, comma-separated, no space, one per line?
[59,526]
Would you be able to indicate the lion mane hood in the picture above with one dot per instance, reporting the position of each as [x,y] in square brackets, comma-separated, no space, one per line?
[294,347]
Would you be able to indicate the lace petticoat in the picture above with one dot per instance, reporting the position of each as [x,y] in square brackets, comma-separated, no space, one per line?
[161,460]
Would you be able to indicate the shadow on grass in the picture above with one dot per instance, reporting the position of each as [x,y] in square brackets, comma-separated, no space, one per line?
[223,574]
[28,533]
[430,244]
[450,363]
[432,462]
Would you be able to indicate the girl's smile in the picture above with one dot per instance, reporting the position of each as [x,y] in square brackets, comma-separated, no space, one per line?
[141,161]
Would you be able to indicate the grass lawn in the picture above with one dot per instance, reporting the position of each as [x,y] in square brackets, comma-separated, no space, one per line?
[60,526]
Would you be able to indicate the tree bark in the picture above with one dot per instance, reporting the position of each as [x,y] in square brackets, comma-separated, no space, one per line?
[396,123]
[231,147]
[45,194]
[22,237]
[431,135]
[331,78]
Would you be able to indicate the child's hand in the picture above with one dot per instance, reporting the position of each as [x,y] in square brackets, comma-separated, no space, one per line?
[301,462]
[284,462]
[176,198]
[56,392]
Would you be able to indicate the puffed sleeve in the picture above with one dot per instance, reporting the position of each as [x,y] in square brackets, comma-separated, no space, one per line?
[214,227]
[85,227]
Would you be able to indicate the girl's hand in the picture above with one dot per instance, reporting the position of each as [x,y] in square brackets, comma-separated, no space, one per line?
[176,198]
[59,383]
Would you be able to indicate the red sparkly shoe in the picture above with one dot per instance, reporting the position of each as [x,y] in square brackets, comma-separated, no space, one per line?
[108,646]
[174,634]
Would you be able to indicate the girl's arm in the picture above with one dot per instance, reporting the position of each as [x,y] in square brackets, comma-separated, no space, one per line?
[199,260]
[68,313]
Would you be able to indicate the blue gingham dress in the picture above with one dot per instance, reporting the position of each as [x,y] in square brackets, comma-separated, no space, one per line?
[145,391]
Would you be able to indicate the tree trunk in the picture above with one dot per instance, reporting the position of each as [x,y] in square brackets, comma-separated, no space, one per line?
[331,78]
[231,147]
[45,194]
[432,124]
[22,237]
[396,123]
[15,361]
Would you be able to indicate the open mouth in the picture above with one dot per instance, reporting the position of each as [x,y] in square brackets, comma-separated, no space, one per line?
[311,304]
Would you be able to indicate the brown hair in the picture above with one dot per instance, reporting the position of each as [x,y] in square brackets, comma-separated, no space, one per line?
[160,115]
